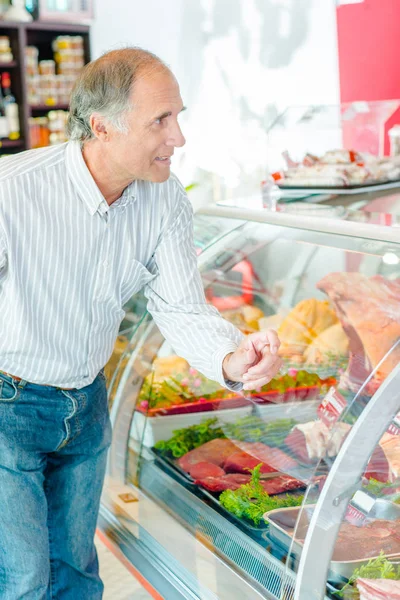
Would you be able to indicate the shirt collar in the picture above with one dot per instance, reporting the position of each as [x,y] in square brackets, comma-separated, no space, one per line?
[82,179]
[85,185]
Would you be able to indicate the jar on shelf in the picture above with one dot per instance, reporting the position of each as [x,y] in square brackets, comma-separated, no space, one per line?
[6,55]
[47,67]
[31,60]
[33,90]
[48,90]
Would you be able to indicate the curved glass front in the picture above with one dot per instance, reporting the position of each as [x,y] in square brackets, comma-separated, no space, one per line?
[238,476]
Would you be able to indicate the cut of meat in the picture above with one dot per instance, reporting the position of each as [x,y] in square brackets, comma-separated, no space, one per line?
[378,467]
[201,470]
[314,440]
[281,484]
[215,452]
[242,462]
[273,457]
[370,314]
[384,464]
[238,457]
[355,543]
[378,589]
[232,481]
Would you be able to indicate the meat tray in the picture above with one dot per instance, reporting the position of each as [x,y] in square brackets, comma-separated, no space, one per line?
[150,430]
[356,188]
[168,464]
[340,571]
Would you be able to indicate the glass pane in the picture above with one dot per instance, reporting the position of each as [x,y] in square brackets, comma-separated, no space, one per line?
[223,464]
[365,554]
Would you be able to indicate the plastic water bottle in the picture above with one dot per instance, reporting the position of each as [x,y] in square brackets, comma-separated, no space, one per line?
[270,193]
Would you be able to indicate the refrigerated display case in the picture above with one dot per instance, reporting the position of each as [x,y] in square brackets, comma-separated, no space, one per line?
[291,491]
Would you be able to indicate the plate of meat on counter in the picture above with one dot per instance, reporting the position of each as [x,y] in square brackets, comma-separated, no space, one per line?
[338,170]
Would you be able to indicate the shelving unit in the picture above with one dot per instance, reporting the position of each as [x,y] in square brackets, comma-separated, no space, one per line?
[41,35]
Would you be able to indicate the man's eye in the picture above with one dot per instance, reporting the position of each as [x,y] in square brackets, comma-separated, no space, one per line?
[158,121]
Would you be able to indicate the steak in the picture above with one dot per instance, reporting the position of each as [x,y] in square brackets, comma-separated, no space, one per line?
[281,484]
[232,481]
[201,470]
[241,462]
[215,452]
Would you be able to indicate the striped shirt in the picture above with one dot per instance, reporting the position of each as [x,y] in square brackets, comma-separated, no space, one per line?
[69,262]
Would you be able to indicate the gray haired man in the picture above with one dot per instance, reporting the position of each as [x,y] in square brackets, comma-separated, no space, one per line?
[83,226]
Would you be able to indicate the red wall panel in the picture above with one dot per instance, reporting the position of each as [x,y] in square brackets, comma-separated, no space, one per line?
[369,60]
[369,50]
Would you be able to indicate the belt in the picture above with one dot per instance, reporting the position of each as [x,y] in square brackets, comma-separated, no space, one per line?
[20,379]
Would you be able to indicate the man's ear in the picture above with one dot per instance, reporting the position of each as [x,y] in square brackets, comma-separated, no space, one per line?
[100,127]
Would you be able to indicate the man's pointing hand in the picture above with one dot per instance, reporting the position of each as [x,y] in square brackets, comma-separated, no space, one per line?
[255,362]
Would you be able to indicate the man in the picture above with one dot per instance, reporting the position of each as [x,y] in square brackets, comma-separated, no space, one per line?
[83,226]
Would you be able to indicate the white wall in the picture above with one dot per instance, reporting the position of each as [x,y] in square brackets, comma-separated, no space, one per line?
[239,63]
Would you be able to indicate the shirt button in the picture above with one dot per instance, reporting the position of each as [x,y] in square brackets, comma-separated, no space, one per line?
[105,263]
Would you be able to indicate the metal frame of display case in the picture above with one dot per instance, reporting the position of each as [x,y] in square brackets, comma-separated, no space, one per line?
[252,571]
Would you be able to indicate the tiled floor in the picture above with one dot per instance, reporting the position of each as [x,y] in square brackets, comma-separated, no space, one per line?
[119,584]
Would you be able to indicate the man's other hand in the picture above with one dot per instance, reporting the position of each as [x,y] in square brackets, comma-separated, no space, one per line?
[256,360]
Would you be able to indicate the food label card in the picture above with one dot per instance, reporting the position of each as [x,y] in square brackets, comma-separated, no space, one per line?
[354,515]
[394,427]
[359,508]
[331,407]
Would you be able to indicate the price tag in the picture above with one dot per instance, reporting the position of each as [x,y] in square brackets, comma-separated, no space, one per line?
[394,427]
[354,515]
[331,407]
[359,508]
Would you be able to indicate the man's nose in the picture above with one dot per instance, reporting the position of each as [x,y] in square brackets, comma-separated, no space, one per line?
[176,137]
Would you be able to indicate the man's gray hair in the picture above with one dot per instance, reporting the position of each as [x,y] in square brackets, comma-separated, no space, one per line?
[105,87]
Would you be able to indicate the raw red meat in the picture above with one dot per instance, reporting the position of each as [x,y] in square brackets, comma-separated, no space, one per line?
[283,483]
[385,461]
[232,481]
[378,467]
[241,462]
[378,589]
[215,452]
[205,469]
[369,310]
[297,443]
[275,458]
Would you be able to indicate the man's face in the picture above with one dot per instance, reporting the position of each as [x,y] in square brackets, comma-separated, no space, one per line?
[153,130]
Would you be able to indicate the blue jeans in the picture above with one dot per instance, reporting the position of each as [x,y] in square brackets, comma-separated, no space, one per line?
[53,447]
